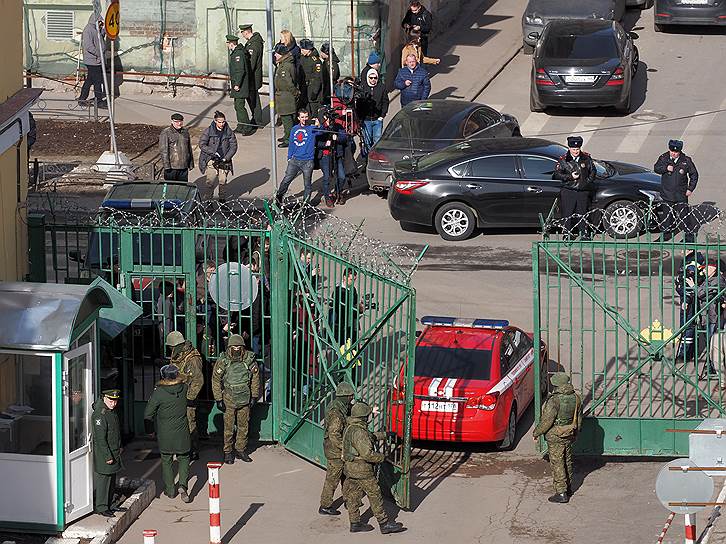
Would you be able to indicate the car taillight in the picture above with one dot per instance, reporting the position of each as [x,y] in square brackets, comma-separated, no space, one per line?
[408,187]
[378,156]
[618,77]
[484,402]
[542,78]
[398,394]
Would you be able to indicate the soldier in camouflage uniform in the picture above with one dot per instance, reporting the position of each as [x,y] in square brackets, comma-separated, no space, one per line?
[360,458]
[560,423]
[189,362]
[335,417]
[236,388]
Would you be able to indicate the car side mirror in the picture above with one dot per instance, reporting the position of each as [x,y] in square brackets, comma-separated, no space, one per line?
[533,35]
[633,35]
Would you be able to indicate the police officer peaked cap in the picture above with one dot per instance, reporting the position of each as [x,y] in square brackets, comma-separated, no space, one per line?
[245,27]
[169,372]
[114,394]
[574,141]
[325,48]
[559,379]
[675,145]
[174,338]
[232,38]
[306,44]
[360,409]
[344,389]
[177,117]
[236,340]
[281,49]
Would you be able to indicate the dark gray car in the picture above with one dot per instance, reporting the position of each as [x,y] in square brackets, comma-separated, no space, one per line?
[540,12]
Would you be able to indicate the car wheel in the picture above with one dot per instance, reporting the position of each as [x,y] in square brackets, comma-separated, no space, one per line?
[533,106]
[516,133]
[527,49]
[510,436]
[622,219]
[455,221]
[624,106]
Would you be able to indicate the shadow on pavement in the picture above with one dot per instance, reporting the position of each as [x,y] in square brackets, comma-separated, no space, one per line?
[241,522]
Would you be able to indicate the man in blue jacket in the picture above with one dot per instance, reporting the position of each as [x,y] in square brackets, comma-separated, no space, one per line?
[300,155]
[413,81]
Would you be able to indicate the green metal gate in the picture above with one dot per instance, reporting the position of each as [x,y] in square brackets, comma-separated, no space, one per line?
[636,323]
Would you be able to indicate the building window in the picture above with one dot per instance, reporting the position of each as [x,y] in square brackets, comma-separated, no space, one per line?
[26,404]
[59,25]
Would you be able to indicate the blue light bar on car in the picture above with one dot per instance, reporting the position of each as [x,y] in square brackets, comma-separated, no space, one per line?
[443,321]
[141,203]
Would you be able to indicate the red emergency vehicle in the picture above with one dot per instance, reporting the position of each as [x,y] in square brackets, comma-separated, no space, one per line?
[474,380]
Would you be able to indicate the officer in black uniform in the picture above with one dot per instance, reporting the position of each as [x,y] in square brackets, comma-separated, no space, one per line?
[678,180]
[577,172]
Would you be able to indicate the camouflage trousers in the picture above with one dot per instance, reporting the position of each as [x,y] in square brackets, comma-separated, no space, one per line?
[353,492]
[239,417]
[560,454]
[333,476]
[192,419]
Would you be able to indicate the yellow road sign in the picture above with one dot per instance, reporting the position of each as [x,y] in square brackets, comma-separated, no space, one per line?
[113,20]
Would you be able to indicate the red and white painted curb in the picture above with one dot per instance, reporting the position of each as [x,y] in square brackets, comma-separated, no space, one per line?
[215,527]
[690,528]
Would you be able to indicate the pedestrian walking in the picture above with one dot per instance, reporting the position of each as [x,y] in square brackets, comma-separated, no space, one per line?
[331,143]
[166,417]
[255,47]
[678,180]
[217,145]
[372,107]
[312,67]
[189,362]
[413,81]
[560,423]
[413,47]
[374,62]
[330,62]
[175,149]
[419,18]
[236,388]
[93,51]
[286,91]
[106,451]
[336,415]
[300,156]
[240,83]
[576,171]
[361,457]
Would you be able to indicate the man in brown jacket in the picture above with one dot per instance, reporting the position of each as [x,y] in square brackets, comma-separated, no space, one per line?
[175,149]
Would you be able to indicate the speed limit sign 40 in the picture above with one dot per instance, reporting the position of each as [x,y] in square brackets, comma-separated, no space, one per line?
[113,20]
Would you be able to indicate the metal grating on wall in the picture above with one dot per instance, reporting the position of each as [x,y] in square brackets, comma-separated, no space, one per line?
[59,24]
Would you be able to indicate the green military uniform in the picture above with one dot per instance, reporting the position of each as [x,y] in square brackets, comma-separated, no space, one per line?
[240,75]
[560,422]
[167,409]
[106,447]
[313,68]
[333,61]
[189,362]
[286,93]
[255,47]
[236,382]
[335,419]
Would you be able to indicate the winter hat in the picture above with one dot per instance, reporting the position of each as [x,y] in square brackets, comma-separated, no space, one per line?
[374,57]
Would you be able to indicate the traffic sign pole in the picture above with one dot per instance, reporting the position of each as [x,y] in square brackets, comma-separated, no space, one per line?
[112,21]
[690,528]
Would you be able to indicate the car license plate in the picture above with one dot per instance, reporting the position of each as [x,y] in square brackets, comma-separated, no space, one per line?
[699,2]
[439,406]
[579,79]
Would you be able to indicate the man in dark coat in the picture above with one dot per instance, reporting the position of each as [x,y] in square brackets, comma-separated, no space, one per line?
[413,81]
[240,78]
[560,422]
[330,61]
[577,172]
[255,47]
[218,145]
[372,107]
[175,149]
[312,66]
[374,62]
[419,18]
[286,91]
[330,146]
[167,412]
[679,178]
[106,451]
[335,418]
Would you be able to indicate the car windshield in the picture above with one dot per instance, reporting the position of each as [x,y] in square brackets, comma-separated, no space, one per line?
[588,46]
[441,362]
[603,169]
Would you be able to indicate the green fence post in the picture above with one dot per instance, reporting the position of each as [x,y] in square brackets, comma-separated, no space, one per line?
[279,302]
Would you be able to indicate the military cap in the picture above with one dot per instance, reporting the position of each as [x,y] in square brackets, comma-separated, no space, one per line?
[559,379]
[344,389]
[245,27]
[169,372]
[114,394]
[232,38]
[574,141]
[325,48]
[281,49]
[306,44]
[236,340]
[177,117]
[174,338]
[675,145]
[360,409]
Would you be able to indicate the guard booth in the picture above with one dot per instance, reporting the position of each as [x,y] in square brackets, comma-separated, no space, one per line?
[49,379]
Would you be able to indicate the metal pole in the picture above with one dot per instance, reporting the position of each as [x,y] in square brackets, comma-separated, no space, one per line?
[330,51]
[112,98]
[103,73]
[150,536]
[352,39]
[271,86]
[215,529]
[690,529]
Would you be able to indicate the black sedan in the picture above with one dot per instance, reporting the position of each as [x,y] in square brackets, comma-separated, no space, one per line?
[689,12]
[508,183]
[428,125]
[580,64]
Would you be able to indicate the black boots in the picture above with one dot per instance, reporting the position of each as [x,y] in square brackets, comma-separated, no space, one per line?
[391,527]
[360,527]
[229,458]
[559,498]
[243,456]
[329,511]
